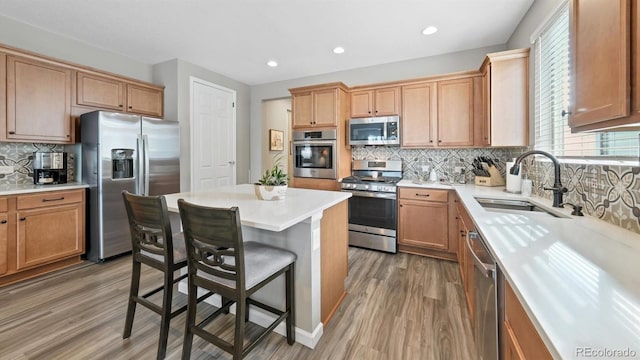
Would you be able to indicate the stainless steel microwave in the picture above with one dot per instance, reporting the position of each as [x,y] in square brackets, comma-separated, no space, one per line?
[383,130]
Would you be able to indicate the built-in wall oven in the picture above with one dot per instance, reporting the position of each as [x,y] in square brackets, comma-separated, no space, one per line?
[314,154]
[373,206]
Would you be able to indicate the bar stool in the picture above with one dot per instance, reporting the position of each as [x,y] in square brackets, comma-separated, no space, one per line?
[220,262]
[154,245]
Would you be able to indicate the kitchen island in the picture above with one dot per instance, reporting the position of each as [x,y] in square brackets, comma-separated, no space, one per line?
[311,223]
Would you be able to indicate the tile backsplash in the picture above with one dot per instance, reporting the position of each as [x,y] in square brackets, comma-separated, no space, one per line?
[607,192]
[20,157]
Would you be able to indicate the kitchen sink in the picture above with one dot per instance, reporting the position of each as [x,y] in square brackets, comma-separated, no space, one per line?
[514,205]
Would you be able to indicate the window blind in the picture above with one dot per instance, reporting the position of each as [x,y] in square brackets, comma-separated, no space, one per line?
[551,86]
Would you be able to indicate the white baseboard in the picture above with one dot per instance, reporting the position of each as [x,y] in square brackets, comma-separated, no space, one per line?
[264,319]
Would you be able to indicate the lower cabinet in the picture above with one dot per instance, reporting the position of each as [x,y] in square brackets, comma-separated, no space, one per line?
[47,233]
[423,222]
[520,338]
[465,258]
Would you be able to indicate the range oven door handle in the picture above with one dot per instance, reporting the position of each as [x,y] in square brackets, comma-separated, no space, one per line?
[372,194]
[487,270]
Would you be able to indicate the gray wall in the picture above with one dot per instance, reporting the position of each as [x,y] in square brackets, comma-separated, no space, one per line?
[433,65]
[27,37]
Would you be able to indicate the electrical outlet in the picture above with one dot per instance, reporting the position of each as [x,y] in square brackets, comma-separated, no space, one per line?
[6,169]
[458,169]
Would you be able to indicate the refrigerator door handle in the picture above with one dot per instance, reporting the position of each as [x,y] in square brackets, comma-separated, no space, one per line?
[145,156]
[139,171]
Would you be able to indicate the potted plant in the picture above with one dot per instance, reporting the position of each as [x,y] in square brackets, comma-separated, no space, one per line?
[273,184]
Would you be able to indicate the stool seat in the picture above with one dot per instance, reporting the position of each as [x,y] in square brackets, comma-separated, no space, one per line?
[260,261]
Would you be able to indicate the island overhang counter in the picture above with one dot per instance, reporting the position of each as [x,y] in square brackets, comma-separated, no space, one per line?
[311,223]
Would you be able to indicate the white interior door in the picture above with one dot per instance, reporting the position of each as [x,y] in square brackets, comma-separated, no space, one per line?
[213,135]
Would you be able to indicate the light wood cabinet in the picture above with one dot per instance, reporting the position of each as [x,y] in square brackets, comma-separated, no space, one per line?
[116,94]
[418,115]
[522,341]
[455,112]
[48,233]
[605,64]
[38,101]
[423,218]
[506,99]
[4,235]
[465,262]
[375,102]
[319,106]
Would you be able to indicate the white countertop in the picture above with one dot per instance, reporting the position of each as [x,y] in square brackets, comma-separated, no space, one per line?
[278,215]
[31,188]
[577,277]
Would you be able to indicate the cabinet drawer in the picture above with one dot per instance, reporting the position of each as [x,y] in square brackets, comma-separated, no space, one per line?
[50,199]
[3,205]
[424,194]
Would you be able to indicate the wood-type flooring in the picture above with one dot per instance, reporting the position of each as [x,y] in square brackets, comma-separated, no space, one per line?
[398,306]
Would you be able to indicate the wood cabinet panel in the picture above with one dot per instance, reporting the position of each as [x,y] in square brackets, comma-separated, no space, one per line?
[424,194]
[600,56]
[3,96]
[387,101]
[46,199]
[423,224]
[98,91]
[4,245]
[483,124]
[418,115]
[455,112]
[525,338]
[302,110]
[317,184]
[38,101]
[511,348]
[4,205]
[325,109]
[145,100]
[362,103]
[48,234]
[334,249]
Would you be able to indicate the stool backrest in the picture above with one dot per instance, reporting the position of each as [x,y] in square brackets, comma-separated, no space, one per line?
[150,227]
[213,237]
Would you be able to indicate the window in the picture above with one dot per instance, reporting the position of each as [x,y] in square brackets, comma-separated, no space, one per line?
[551,79]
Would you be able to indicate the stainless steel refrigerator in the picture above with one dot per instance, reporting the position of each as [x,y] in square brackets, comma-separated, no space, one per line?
[124,152]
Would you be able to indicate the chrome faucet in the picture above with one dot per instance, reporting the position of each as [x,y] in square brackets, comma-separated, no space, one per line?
[558,189]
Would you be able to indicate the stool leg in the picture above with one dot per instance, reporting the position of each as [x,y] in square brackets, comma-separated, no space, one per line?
[133,293]
[238,339]
[290,304]
[222,302]
[246,311]
[166,313]
[190,321]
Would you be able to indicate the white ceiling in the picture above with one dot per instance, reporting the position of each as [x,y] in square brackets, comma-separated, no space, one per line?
[237,37]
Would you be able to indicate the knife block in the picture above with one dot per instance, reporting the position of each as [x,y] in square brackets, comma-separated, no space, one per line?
[494,178]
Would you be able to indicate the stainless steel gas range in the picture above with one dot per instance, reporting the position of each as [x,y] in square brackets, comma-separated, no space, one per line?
[373,206]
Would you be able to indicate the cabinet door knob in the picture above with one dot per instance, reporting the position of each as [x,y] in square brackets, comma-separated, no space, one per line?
[431,141]
[23,218]
[130,107]
[439,141]
[3,222]
[120,105]
[12,132]
[400,205]
[565,113]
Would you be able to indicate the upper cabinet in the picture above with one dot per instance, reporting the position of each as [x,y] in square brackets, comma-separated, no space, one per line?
[38,104]
[318,106]
[605,57]
[455,112]
[116,94]
[418,115]
[505,99]
[440,113]
[375,102]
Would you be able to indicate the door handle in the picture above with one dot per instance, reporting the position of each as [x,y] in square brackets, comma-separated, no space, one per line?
[232,162]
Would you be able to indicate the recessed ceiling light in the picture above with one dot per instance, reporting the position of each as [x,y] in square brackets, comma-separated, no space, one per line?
[338,50]
[272,63]
[429,30]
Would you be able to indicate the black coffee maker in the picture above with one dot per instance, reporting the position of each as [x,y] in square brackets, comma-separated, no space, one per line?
[49,168]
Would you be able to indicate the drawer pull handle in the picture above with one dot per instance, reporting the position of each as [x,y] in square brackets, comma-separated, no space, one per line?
[425,195]
[56,199]
[3,222]
[23,218]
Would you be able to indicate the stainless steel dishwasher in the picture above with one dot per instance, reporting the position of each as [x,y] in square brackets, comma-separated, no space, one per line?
[486,314]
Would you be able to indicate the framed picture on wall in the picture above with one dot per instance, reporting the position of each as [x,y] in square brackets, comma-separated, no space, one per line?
[276,140]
